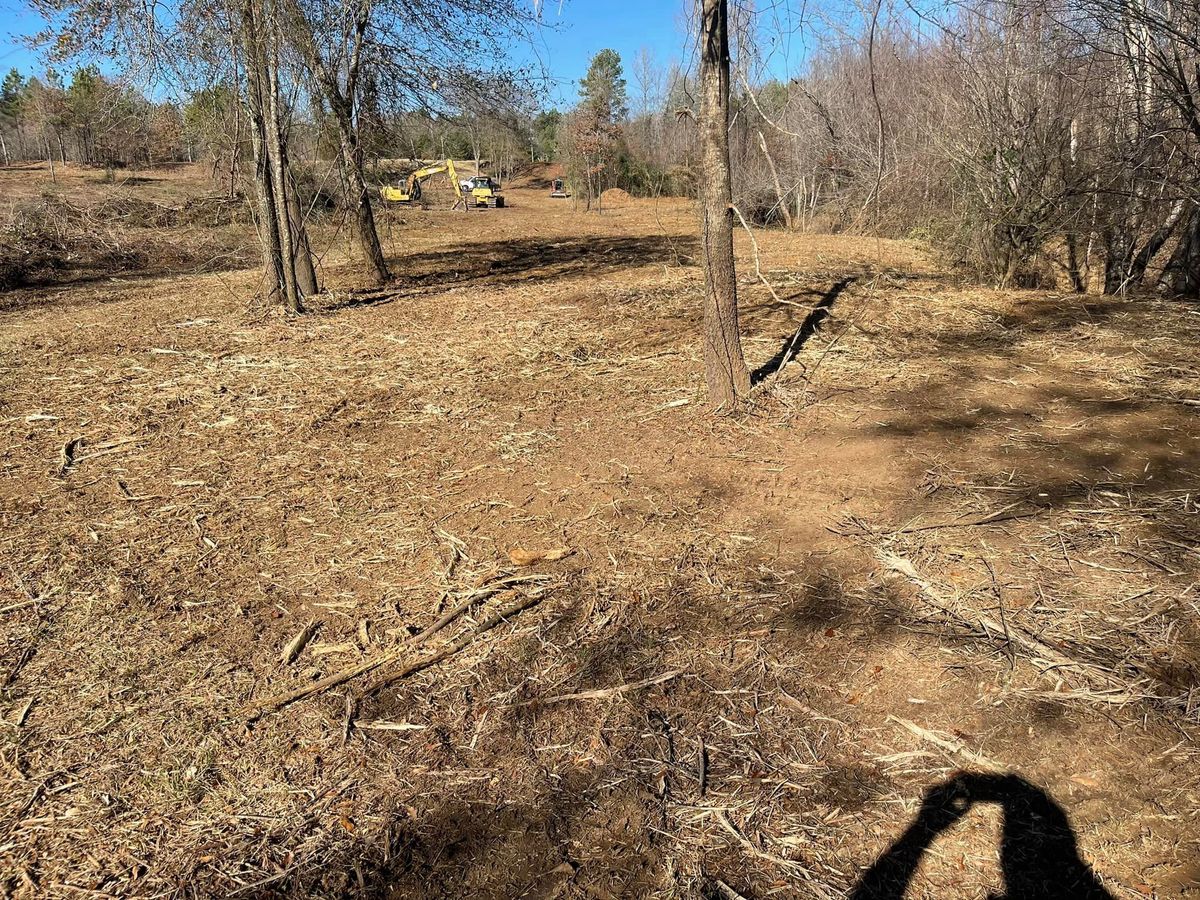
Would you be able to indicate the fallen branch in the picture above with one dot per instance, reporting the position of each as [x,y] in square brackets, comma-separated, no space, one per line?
[601,693]
[480,593]
[24,604]
[255,710]
[951,746]
[757,267]
[988,519]
[787,864]
[298,643]
[499,616]
[726,892]
[1038,650]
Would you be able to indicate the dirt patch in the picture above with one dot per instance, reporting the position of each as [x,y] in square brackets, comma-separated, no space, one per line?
[956,530]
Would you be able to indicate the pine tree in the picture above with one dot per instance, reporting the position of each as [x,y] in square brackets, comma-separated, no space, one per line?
[603,88]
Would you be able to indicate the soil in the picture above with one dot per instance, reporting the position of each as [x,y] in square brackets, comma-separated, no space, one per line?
[957,529]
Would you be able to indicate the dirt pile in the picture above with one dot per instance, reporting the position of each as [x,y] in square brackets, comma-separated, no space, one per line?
[615,196]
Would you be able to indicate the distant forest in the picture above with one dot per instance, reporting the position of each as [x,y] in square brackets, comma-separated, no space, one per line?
[1033,143]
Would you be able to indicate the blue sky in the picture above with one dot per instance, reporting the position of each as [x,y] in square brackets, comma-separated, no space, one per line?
[15,20]
[585,27]
[581,29]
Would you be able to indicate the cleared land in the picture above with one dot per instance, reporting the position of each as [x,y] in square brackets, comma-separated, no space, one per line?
[959,529]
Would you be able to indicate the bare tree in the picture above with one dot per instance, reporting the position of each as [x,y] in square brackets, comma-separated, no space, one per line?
[332,37]
[724,365]
[287,259]
[192,35]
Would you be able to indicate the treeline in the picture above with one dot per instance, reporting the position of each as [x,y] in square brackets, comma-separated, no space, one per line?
[92,120]
[1034,142]
[95,120]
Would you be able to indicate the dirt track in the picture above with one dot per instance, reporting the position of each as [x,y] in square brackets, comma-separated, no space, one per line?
[958,529]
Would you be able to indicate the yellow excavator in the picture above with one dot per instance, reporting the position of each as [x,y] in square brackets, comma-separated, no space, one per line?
[411,192]
[480,192]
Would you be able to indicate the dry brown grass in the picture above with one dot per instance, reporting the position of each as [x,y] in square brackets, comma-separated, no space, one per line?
[773,633]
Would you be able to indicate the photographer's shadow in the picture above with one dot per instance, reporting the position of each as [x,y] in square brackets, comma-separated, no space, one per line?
[1038,855]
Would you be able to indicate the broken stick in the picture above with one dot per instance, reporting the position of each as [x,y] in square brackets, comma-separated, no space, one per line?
[486,624]
[255,710]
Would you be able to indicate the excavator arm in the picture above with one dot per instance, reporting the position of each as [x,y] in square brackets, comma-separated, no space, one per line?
[412,188]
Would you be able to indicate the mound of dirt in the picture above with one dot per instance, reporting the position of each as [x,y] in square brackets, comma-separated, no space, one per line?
[615,195]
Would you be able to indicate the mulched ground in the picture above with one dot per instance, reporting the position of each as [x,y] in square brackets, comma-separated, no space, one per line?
[956,531]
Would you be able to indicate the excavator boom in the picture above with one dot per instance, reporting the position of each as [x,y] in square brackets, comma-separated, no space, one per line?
[482,191]
[411,191]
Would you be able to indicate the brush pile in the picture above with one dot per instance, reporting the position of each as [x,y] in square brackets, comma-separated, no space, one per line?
[51,240]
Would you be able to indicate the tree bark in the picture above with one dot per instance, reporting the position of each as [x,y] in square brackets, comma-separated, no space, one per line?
[268,222]
[287,257]
[292,296]
[1137,269]
[1181,277]
[341,95]
[306,273]
[724,365]
[1074,272]
[357,193]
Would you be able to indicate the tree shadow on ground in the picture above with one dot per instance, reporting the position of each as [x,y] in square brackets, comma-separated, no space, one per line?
[793,343]
[1039,857]
[990,401]
[538,182]
[1035,318]
[60,287]
[525,262]
[532,260]
[470,846]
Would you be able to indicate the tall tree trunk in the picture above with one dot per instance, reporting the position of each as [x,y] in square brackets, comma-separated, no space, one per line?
[268,221]
[1074,272]
[4,147]
[359,196]
[1117,258]
[1181,277]
[287,258]
[306,273]
[724,365]
[292,297]
[340,92]
[1141,261]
